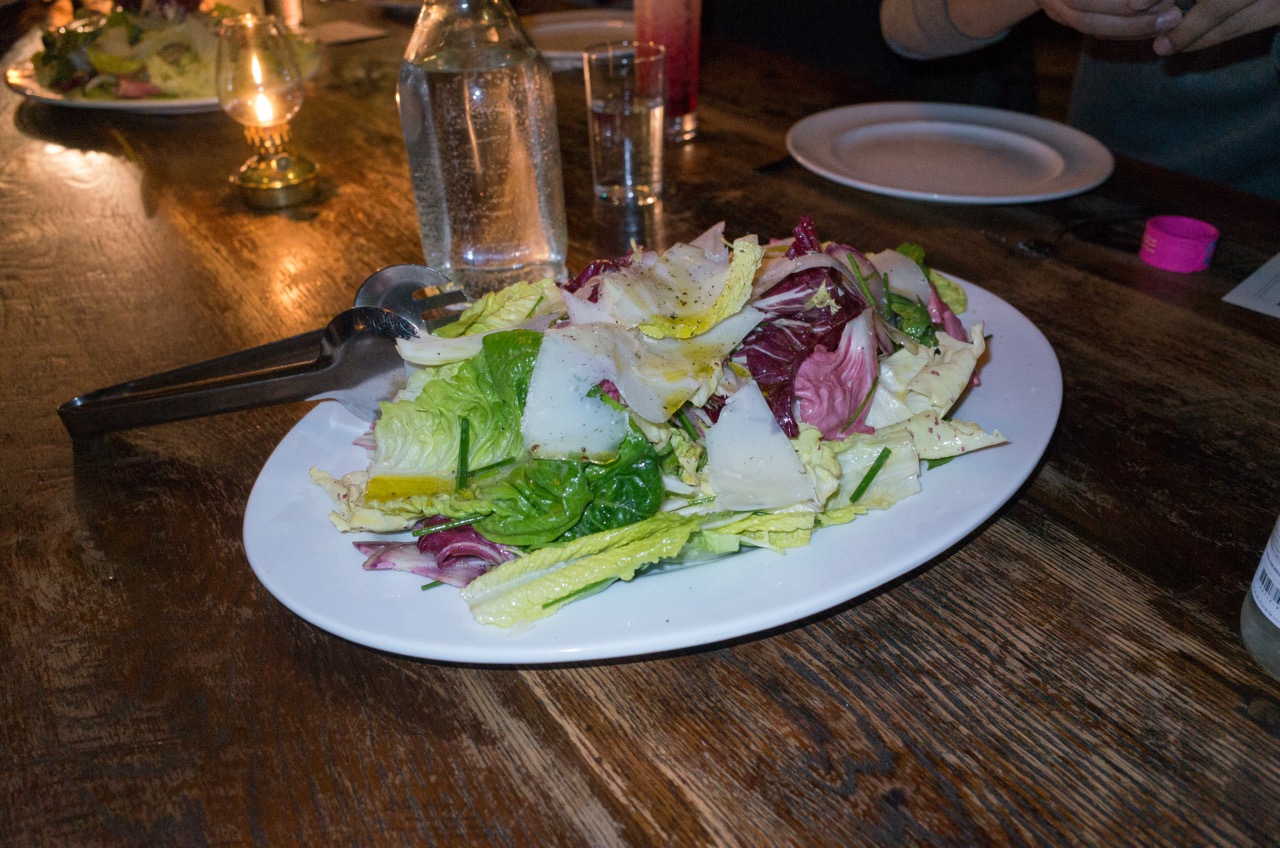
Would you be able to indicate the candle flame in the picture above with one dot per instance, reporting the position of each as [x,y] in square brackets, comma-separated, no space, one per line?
[264,109]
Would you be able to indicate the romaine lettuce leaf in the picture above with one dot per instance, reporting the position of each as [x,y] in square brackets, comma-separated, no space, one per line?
[939,438]
[898,478]
[776,531]
[536,585]
[917,378]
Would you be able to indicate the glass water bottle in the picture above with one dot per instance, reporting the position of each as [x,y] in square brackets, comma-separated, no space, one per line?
[1260,615]
[479,119]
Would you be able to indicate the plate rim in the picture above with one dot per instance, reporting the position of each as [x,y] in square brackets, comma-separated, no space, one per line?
[552,640]
[532,23]
[807,141]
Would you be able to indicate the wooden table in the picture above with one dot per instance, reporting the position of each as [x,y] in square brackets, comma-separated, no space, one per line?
[1071,673]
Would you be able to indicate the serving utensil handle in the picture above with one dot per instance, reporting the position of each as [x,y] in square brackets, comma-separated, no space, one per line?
[354,360]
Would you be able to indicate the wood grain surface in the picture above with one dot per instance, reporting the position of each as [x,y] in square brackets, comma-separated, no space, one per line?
[1069,674]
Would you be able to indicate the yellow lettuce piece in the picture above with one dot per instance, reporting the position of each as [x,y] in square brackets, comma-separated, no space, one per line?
[506,308]
[692,296]
[776,531]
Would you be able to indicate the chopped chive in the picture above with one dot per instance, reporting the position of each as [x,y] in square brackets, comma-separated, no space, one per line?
[491,467]
[431,585]
[464,448]
[852,418]
[862,284]
[448,525]
[683,422]
[881,459]
[589,589]
[534,310]
[934,463]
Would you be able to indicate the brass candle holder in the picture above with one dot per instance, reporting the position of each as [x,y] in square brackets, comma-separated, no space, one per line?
[260,87]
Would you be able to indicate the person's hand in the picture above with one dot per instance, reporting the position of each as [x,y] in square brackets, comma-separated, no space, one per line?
[1117,19]
[1212,22]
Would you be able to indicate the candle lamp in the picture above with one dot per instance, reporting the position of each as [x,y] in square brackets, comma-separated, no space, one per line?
[260,86]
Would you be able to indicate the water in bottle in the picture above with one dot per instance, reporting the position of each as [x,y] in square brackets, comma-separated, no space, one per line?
[479,120]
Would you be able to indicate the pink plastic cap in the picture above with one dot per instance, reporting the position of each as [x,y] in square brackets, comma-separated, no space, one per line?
[1178,244]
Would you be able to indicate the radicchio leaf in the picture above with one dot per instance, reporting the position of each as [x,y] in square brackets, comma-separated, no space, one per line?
[798,323]
[831,386]
[455,556]
[593,270]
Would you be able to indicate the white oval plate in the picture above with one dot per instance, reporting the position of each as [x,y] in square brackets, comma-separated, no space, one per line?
[21,77]
[949,153]
[314,570]
[562,36]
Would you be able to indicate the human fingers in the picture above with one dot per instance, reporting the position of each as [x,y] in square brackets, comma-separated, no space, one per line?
[1215,21]
[1113,19]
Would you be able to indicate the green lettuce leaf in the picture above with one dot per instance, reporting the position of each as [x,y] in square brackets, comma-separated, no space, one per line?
[537,502]
[556,500]
[418,438]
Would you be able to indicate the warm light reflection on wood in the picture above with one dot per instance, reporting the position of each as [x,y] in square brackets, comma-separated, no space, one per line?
[88,169]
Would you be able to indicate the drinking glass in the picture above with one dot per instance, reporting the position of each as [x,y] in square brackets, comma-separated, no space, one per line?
[677,26]
[625,90]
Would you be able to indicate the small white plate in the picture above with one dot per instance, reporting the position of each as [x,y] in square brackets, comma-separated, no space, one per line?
[21,77]
[314,570]
[949,153]
[562,36]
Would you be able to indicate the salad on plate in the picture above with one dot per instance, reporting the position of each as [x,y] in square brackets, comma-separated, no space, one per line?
[141,50]
[659,410]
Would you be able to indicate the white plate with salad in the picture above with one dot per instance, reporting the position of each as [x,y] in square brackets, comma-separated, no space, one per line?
[21,77]
[315,571]
[949,153]
[131,62]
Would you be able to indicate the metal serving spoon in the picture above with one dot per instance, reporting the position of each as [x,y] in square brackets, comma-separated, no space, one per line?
[352,360]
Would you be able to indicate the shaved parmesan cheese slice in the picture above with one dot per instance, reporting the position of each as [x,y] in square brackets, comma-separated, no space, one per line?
[655,377]
[750,461]
[560,420]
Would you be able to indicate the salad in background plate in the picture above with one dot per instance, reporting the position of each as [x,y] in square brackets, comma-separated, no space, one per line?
[662,408]
[141,51]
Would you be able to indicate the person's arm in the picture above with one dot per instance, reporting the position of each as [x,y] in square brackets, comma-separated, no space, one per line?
[1214,21]
[931,29]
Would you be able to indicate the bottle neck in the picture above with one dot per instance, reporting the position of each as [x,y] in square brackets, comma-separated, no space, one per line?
[466,25]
